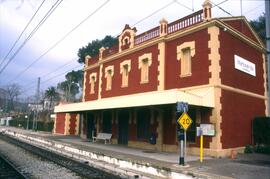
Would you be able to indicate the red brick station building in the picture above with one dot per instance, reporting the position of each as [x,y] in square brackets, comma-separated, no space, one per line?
[216,65]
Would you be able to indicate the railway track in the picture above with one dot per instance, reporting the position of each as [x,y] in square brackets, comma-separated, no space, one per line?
[8,170]
[82,169]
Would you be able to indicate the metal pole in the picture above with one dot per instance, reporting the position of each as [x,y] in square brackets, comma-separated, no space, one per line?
[34,116]
[185,147]
[201,148]
[267,30]
[181,158]
[185,138]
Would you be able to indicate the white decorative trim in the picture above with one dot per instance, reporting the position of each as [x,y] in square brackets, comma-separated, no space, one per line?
[92,75]
[109,68]
[122,64]
[184,45]
[145,56]
[100,81]
[161,66]
[180,55]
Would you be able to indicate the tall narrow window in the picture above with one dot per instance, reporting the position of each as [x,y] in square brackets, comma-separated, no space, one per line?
[186,62]
[145,62]
[108,76]
[145,71]
[109,80]
[124,70]
[93,77]
[125,76]
[185,52]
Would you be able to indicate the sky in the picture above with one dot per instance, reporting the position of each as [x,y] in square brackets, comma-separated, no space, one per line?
[52,50]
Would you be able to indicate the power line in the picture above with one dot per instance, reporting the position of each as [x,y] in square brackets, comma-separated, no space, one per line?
[47,80]
[61,39]
[217,5]
[156,11]
[47,15]
[22,33]
[192,9]
[250,10]
[51,72]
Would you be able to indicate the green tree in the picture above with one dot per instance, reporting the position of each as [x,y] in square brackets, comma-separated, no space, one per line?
[259,27]
[93,47]
[71,86]
[52,95]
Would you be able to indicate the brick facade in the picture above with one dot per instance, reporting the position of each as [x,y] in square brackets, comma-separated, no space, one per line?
[217,92]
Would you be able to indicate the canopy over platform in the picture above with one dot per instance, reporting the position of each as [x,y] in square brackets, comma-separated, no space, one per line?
[198,97]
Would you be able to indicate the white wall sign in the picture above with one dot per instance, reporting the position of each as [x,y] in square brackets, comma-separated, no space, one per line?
[207,129]
[244,65]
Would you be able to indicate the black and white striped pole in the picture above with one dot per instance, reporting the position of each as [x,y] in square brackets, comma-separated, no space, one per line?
[181,133]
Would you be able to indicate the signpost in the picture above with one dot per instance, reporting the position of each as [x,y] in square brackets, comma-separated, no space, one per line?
[204,130]
[184,121]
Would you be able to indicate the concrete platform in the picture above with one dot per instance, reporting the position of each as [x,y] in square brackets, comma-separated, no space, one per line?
[153,164]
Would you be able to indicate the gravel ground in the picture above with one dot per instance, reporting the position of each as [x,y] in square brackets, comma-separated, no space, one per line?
[34,166]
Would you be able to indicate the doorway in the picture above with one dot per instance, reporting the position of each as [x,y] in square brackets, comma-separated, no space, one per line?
[90,125]
[123,120]
[107,122]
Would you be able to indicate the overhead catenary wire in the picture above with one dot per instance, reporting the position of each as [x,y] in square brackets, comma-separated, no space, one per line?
[51,72]
[61,39]
[156,11]
[16,41]
[47,15]
[178,3]
[254,8]
[192,9]
[49,79]
[217,5]
[163,7]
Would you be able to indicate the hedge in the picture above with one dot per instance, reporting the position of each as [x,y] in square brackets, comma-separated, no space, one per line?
[261,130]
[41,126]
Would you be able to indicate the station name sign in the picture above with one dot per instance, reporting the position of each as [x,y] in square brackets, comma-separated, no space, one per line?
[244,65]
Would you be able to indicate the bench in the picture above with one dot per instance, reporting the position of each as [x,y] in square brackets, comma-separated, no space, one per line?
[103,136]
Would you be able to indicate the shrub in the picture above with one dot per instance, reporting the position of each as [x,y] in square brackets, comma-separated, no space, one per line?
[248,149]
[262,149]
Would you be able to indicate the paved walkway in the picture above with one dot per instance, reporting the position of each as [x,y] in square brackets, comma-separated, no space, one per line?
[246,166]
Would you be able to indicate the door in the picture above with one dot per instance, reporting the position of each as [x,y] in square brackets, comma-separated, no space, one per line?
[123,118]
[107,122]
[90,125]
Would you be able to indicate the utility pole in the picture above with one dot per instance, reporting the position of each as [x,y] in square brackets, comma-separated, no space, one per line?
[267,30]
[36,106]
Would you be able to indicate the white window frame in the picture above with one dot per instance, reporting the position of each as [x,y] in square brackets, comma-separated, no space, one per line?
[92,80]
[145,69]
[109,71]
[181,56]
[123,65]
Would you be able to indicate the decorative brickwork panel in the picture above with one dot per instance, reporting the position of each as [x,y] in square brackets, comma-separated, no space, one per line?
[199,62]
[72,126]
[134,75]
[88,95]
[237,112]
